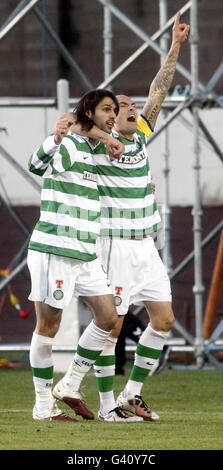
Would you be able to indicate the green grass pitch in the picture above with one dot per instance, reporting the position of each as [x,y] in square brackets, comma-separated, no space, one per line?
[190,404]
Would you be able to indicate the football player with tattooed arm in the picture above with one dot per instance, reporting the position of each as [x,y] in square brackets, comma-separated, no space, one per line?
[129,216]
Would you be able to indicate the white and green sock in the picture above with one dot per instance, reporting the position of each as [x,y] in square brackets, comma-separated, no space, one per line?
[90,346]
[147,354]
[104,369]
[41,362]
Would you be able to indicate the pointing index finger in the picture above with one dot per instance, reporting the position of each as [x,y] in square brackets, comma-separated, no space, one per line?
[177,20]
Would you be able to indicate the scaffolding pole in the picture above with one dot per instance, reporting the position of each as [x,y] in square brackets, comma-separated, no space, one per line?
[183,264]
[13,274]
[64,52]
[19,13]
[107,35]
[166,254]
[198,287]
[63,94]
[150,41]
[14,216]
[20,169]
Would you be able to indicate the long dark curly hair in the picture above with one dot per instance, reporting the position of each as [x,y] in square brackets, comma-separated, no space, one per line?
[88,102]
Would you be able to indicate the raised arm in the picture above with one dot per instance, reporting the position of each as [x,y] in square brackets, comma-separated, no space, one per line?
[162,81]
[41,158]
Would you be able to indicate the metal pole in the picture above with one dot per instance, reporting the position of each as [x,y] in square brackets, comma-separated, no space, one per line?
[17,10]
[107,43]
[166,254]
[198,288]
[44,67]
[62,96]
[190,257]
[206,135]
[215,78]
[14,216]
[173,115]
[14,19]
[189,338]
[211,140]
[146,38]
[67,56]
[13,274]
[20,169]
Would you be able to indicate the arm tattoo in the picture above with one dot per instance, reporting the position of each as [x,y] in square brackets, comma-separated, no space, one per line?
[153,113]
[164,77]
[160,87]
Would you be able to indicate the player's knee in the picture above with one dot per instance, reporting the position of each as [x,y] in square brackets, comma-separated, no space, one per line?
[164,323]
[48,327]
[48,319]
[53,328]
[116,330]
[112,320]
[109,322]
[168,322]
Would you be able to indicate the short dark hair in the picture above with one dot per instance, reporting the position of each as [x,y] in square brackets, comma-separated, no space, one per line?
[88,102]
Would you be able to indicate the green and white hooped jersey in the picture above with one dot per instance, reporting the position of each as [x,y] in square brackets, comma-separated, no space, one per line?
[69,220]
[128,206]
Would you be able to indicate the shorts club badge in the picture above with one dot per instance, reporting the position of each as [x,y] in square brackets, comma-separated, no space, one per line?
[58,293]
[117,297]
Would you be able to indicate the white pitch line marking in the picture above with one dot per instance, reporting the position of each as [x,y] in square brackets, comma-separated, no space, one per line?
[15,411]
[219,413]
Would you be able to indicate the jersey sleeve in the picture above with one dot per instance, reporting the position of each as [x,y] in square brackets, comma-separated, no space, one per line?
[52,158]
[144,126]
[41,158]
